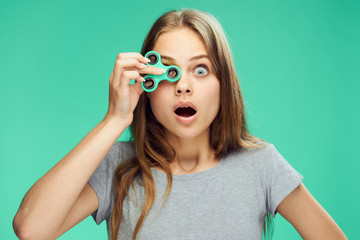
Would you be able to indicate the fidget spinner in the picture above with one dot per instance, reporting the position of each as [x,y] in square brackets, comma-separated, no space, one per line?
[172,73]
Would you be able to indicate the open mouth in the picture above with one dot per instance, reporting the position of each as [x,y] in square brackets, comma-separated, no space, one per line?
[185,111]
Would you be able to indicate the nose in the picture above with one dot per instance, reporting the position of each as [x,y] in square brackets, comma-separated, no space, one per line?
[183,86]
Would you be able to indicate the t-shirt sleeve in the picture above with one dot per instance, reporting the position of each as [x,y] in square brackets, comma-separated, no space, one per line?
[102,183]
[280,178]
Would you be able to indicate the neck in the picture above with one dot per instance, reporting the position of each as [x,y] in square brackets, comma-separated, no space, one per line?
[192,154]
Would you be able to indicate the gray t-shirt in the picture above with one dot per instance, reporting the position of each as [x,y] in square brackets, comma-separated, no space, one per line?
[228,201]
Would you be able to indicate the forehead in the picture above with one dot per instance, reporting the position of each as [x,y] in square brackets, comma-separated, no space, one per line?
[183,43]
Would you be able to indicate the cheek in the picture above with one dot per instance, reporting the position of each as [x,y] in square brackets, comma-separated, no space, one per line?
[158,98]
[212,94]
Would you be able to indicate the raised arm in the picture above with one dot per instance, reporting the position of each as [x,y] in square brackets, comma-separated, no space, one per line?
[62,197]
[48,202]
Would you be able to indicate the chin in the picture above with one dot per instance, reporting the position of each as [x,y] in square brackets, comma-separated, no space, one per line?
[185,134]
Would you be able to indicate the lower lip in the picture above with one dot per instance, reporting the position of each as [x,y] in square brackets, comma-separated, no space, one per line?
[186,120]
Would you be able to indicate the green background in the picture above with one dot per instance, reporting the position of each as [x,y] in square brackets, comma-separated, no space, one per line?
[298,65]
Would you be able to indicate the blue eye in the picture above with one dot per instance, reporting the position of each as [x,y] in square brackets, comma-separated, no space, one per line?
[203,69]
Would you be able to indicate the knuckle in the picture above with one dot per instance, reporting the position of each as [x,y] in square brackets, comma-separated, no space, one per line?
[120,55]
[140,65]
[127,74]
[118,64]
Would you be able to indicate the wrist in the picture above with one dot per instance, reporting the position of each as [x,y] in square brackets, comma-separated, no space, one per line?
[116,121]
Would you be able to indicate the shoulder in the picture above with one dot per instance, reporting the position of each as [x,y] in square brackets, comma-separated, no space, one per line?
[121,151]
[249,160]
[262,150]
[264,158]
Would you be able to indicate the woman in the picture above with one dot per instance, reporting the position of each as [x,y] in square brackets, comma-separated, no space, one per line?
[191,170]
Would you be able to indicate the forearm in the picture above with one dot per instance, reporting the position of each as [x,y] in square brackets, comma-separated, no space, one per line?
[48,201]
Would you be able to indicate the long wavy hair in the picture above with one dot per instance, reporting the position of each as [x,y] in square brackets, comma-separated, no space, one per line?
[228,131]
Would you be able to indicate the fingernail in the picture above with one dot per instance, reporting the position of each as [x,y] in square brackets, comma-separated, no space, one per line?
[147,60]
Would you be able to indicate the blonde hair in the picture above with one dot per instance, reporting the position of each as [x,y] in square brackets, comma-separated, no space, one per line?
[228,131]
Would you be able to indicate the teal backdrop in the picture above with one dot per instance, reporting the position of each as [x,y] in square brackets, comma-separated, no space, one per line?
[298,65]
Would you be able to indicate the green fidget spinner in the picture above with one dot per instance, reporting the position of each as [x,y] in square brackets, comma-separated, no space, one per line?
[172,73]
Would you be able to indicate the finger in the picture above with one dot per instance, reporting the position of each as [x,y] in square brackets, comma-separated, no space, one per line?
[133,64]
[127,76]
[124,64]
[152,70]
[130,64]
[136,55]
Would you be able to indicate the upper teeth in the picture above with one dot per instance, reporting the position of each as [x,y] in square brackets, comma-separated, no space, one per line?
[184,106]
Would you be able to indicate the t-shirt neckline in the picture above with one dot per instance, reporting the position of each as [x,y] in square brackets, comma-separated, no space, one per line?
[208,172]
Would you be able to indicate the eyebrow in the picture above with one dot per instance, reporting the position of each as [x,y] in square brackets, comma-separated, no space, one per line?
[193,58]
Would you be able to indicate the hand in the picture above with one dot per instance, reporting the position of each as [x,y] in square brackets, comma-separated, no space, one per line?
[124,97]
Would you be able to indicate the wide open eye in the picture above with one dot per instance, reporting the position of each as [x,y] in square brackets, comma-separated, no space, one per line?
[201,70]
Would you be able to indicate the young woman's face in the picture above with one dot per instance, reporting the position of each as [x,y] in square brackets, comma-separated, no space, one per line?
[198,85]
